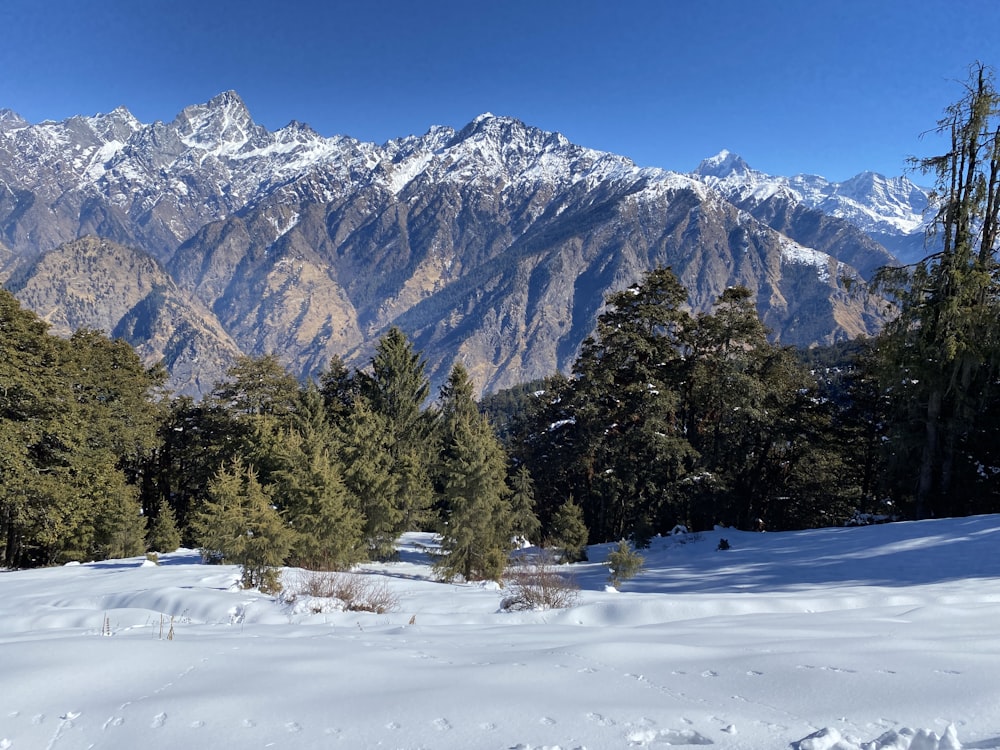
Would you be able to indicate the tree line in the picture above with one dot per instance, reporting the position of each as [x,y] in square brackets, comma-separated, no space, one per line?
[668,418]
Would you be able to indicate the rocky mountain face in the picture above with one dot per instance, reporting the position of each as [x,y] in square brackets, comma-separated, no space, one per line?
[494,245]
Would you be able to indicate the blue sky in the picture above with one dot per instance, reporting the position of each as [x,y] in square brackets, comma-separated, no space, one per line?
[829,88]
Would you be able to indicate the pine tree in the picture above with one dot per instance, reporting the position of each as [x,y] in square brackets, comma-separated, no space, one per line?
[628,450]
[569,532]
[396,390]
[525,524]
[164,536]
[941,354]
[368,475]
[317,506]
[238,525]
[477,523]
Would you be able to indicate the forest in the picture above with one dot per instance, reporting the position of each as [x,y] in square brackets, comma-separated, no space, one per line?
[668,418]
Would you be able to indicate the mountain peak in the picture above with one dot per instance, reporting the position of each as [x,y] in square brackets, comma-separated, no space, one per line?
[11,120]
[222,125]
[723,164]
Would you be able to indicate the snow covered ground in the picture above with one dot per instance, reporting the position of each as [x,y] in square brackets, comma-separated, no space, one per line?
[874,637]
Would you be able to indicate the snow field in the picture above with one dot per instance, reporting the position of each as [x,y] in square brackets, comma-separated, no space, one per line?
[833,639]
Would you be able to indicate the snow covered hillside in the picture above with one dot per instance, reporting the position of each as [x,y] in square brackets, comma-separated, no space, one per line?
[832,639]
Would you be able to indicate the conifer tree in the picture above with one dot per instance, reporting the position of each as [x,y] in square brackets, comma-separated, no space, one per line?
[396,390]
[525,523]
[368,465]
[164,536]
[569,532]
[317,506]
[477,523]
[941,354]
[238,525]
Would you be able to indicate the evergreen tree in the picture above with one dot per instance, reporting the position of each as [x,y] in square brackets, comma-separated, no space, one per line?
[317,506]
[396,390]
[238,525]
[525,524]
[258,386]
[630,450]
[941,354]
[164,536]
[477,523]
[339,388]
[368,474]
[569,532]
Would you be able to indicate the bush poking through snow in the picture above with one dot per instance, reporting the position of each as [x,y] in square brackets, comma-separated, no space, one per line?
[533,583]
[625,563]
[351,592]
[723,545]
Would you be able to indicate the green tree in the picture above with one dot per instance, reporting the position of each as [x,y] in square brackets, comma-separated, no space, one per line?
[368,473]
[569,532]
[525,524]
[397,389]
[164,536]
[258,386]
[941,353]
[624,563]
[621,429]
[764,442]
[317,506]
[477,523]
[237,524]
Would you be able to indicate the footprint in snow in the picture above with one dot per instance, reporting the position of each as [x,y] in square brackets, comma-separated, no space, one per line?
[547,720]
[249,723]
[197,724]
[158,721]
[442,725]
[293,727]
[600,720]
[38,718]
[392,725]
[113,721]
[709,673]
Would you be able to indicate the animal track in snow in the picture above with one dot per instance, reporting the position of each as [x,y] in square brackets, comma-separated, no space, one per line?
[442,725]
[600,720]
[159,720]
[841,670]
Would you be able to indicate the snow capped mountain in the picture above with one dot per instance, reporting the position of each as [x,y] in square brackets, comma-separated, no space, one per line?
[893,211]
[494,243]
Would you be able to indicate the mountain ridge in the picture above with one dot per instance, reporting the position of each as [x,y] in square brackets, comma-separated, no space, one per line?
[494,243]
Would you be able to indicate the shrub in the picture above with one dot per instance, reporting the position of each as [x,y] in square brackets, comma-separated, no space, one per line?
[534,583]
[723,544]
[625,563]
[353,592]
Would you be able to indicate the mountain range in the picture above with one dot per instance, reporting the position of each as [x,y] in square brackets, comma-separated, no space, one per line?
[210,236]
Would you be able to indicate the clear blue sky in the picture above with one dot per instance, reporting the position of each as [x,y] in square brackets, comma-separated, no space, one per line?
[830,88]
